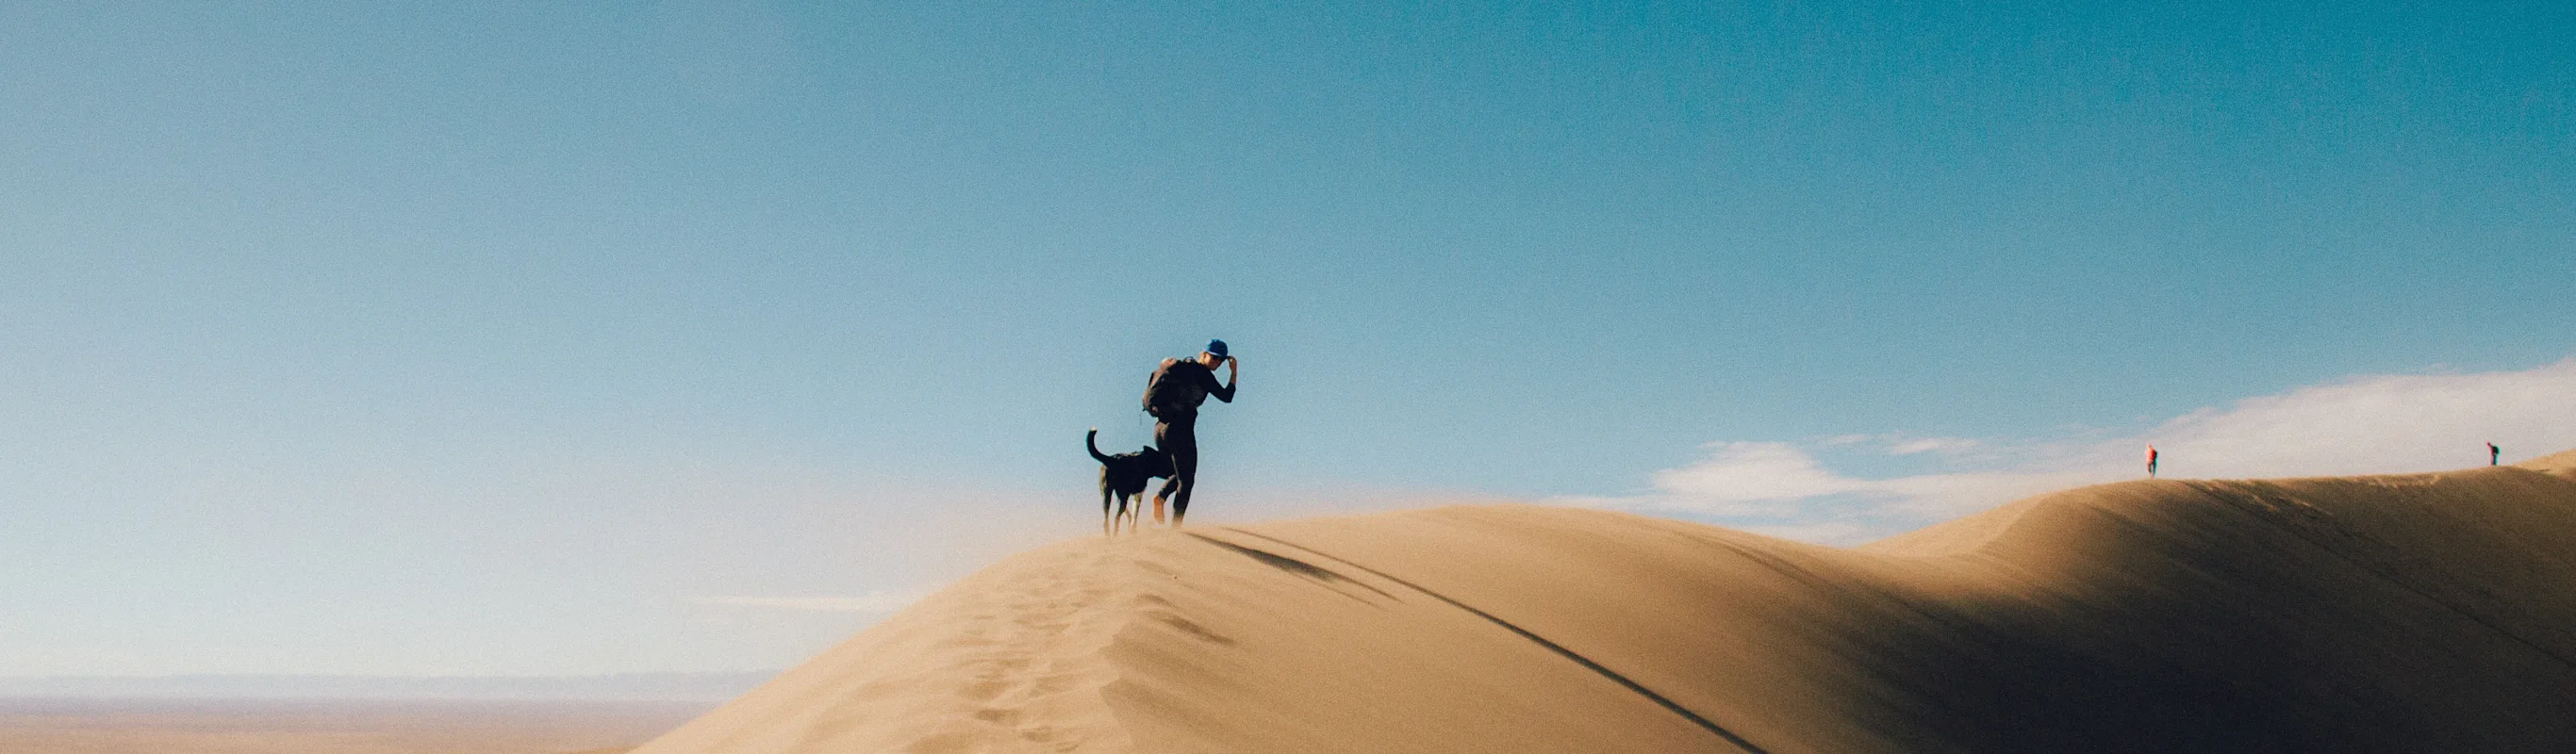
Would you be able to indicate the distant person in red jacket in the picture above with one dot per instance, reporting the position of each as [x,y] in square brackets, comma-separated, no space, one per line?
[2151,460]
[2493,453]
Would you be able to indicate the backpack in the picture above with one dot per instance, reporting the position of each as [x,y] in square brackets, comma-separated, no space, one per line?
[1172,392]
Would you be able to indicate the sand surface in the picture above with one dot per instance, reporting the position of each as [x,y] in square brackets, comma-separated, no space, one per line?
[176,726]
[2431,612]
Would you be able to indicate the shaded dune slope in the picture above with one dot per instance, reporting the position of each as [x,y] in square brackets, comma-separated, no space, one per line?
[2411,613]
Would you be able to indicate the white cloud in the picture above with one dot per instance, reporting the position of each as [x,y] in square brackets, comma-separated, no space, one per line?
[1770,479]
[872,602]
[1744,472]
[2381,424]
[1933,445]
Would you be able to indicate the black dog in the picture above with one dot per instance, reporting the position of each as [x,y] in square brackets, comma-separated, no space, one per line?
[1124,476]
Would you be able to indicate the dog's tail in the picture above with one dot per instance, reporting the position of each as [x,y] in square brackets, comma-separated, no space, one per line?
[1088,443]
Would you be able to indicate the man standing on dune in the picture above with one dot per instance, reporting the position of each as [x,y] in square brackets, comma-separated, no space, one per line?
[1173,397]
[2494,454]
[2151,460]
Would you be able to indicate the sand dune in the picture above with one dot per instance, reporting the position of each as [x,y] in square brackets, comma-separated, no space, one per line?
[2430,612]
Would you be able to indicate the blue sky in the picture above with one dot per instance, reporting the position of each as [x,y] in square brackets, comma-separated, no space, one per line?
[353,338]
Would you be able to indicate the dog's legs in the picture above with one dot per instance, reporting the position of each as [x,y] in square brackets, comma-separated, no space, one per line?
[1108,522]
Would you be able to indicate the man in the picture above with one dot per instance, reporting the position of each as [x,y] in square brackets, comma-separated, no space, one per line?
[1173,397]
[2151,460]
[2494,454]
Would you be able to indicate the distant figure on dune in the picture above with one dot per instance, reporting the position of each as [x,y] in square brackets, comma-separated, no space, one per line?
[2493,453]
[2151,460]
[1173,396]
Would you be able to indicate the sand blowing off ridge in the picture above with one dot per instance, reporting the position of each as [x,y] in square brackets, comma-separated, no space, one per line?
[2431,612]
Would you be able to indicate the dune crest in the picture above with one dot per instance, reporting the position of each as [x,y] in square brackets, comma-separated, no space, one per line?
[2418,612]
[2562,463]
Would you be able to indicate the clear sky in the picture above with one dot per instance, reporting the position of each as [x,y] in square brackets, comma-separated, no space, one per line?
[491,339]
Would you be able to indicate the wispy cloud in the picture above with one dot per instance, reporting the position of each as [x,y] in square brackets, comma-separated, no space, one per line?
[872,602]
[2376,424]
[1933,445]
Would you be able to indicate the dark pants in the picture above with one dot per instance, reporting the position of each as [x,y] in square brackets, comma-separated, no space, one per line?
[1179,438]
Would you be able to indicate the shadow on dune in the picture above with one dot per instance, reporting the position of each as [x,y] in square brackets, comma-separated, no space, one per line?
[2220,616]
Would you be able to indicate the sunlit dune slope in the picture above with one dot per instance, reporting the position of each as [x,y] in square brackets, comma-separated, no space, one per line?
[2412,613]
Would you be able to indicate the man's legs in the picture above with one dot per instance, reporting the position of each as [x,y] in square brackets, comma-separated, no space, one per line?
[1186,474]
[1180,440]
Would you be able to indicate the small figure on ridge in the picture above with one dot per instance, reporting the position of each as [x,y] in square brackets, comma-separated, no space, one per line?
[2151,460]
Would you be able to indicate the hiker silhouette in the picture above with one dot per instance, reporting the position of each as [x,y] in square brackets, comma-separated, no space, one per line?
[1173,396]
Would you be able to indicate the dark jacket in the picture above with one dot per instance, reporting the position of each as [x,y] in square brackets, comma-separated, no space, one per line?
[1180,386]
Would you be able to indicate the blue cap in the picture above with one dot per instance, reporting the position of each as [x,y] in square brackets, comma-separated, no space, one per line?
[1216,347]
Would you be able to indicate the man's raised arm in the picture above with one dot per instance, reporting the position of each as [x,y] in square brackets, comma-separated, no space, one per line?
[1223,392]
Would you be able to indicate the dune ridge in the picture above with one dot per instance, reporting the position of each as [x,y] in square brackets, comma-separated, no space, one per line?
[2390,613]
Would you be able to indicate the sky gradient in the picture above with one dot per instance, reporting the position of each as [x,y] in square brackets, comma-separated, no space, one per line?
[483,339]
